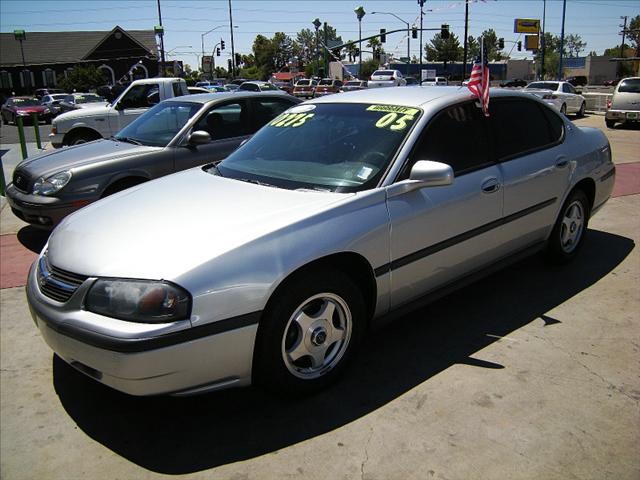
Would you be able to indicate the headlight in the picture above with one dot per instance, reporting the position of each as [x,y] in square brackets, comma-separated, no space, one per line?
[144,301]
[52,184]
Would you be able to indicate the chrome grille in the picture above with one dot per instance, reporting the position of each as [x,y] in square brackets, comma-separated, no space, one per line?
[56,283]
[21,180]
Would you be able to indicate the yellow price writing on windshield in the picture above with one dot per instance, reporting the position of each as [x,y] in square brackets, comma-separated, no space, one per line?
[291,119]
[394,121]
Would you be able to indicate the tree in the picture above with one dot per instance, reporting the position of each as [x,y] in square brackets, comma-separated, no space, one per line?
[368,67]
[376,47]
[305,44]
[283,48]
[441,50]
[82,79]
[473,48]
[351,51]
[491,44]
[574,45]
[625,69]
[634,34]
[264,54]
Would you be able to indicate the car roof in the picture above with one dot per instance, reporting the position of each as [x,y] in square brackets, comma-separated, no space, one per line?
[216,97]
[416,96]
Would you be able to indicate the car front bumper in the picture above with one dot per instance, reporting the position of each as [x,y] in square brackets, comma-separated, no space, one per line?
[56,139]
[144,359]
[623,115]
[39,210]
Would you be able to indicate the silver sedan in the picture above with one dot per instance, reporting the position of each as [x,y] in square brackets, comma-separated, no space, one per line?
[270,266]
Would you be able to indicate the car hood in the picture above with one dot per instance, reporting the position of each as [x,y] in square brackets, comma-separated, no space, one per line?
[167,227]
[98,110]
[79,155]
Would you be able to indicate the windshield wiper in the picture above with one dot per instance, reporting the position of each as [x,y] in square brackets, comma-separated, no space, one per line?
[257,182]
[128,140]
[213,168]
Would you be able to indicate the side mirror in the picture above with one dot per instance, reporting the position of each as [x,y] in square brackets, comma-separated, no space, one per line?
[424,173]
[199,137]
[431,174]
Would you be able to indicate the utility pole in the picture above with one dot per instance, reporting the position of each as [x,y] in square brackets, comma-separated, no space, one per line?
[542,42]
[161,41]
[466,36]
[326,51]
[564,10]
[624,31]
[316,23]
[421,3]
[233,51]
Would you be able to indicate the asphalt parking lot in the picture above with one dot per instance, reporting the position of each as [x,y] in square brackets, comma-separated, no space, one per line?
[533,372]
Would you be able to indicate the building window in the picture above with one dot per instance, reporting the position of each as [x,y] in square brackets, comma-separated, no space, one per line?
[49,78]
[68,72]
[5,80]
[26,79]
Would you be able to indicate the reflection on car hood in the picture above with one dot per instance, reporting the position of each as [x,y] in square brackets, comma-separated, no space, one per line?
[76,156]
[165,228]
[98,110]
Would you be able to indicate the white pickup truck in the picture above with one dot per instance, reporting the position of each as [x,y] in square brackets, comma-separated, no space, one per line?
[80,126]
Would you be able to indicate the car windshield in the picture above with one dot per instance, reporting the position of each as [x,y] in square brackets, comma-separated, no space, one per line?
[631,85]
[58,96]
[544,85]
[89,98]
[26,102]
[388,73]
[268,86]
[352,84]
[340,147]
[303,83]
[160,124]
[325,82]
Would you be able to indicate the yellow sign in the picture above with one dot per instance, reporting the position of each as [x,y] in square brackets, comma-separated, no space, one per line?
[531,42]
[526,25]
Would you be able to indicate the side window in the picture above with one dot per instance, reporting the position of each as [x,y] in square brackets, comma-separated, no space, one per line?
[179,89]
[69,99]
[141,96]
[519,126]
[225,121]
[456,136]
[266,109]
[556,125]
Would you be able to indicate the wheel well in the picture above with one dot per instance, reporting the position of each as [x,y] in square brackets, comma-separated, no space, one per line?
[122,184]
[588,186]
[350,263]
[69,136]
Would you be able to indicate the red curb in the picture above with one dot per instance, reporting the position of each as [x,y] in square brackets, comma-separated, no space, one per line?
[627,179]
[15,261]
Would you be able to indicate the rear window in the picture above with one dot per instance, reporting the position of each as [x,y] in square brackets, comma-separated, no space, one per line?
[544,85]
[303,83]
[326,82]
[631,85]
[383,72]
[179,89]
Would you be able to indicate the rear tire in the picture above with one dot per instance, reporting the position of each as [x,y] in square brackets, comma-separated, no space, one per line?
[309,332]
[610,123]
[570,229]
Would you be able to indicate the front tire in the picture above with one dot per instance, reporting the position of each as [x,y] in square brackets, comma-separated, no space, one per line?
[580,113]
[563,109]
[570,229]
[309,332]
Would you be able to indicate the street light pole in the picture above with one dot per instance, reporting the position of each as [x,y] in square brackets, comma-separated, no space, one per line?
[466,34]
[233,51]
[564,9]
[317,23]
[408,31]
[421,3]
[360,13]
[161,40]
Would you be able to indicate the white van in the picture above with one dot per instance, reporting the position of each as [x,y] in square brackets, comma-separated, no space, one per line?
[433,81]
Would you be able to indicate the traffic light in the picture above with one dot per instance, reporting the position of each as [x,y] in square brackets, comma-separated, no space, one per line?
[444,31]
[383,35]
[221,44]
[519,46]
[501,43]
[218,52]
[414,32]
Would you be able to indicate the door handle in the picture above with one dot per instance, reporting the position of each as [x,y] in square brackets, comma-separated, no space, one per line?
[491,186]
[562,161]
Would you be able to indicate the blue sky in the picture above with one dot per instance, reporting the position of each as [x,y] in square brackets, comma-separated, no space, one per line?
[597,21]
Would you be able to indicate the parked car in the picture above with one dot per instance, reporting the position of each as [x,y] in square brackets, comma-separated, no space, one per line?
[624,106]
[560,95]
[611,83]
[196,90]
[304,88]
[231,87]
[256,86]
[216,89]
[174,135]
[24,107]
[411,81]
[327,86]
[577,81]
[41,92]
[84,125]
[269,267]
[239,81]
[435,81]
[514,82]
[353,85]
[76,101]
[52,102]
[386,78]
[284,86]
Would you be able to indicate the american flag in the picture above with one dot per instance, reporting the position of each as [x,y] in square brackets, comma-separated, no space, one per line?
[479,80]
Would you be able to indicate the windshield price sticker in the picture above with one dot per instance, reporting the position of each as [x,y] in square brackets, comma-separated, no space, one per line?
[291,119]
[397,117]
